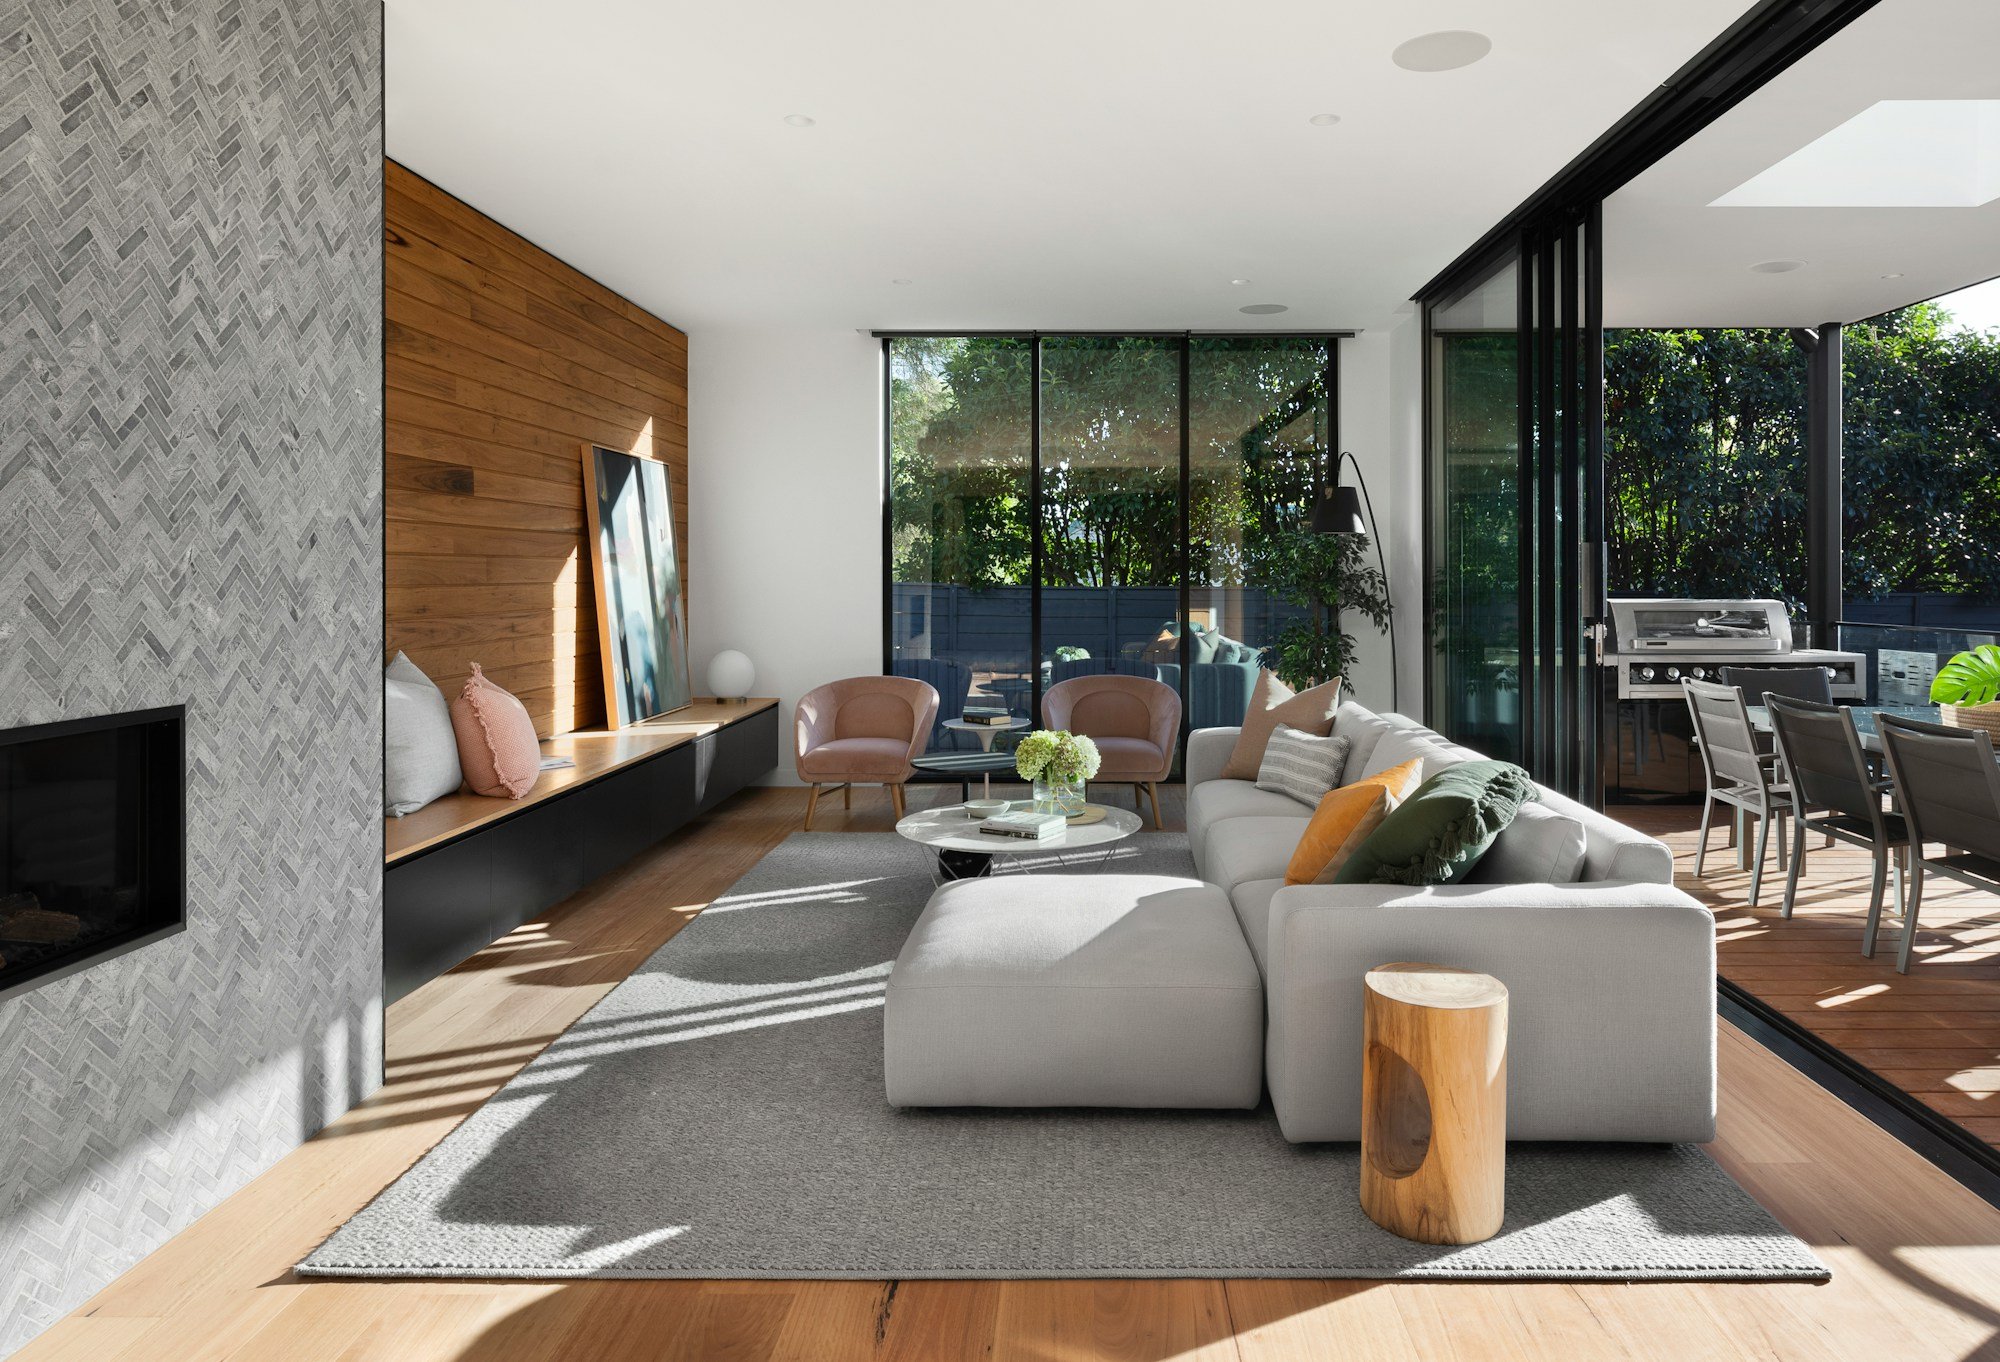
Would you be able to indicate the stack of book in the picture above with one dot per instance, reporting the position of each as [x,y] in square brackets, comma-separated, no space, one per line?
[982,714]
[1024,824]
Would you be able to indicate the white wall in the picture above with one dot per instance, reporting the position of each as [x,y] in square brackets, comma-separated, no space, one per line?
[785,491]
[785,482]
[1403,519]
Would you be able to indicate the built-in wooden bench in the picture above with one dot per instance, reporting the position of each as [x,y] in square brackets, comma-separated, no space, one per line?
[467,869]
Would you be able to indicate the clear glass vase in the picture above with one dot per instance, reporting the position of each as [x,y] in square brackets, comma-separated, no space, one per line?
[1055,794]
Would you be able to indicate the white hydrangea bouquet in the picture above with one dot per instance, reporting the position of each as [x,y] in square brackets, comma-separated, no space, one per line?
[1058,763]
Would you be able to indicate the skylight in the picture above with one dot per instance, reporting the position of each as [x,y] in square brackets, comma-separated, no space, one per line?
[1896,153]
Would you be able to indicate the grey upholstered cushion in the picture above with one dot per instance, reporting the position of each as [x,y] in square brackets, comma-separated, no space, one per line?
[419,747]
[1613,851]
[1252,902]
[1610,1011]
[1208,752]
[1302,765]
[1075,990]
[1245,849]
[1541,846]
[1363,728]
[1217,801]
[1401,745]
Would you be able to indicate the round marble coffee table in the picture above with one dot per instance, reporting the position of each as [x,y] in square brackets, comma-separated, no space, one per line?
[965,853]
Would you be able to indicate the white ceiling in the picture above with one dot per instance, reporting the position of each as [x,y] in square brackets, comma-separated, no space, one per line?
[1671,258]
[1091,163]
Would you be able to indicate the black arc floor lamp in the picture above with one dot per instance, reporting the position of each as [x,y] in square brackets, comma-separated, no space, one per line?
[1339,511]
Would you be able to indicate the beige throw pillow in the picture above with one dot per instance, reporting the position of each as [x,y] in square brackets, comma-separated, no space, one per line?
[1275,703]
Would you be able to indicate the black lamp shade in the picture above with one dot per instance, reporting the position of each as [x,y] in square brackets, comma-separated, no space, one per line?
[1339,512]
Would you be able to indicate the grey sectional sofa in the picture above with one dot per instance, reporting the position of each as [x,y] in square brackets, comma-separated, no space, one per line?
[1609,968]
[1154,991]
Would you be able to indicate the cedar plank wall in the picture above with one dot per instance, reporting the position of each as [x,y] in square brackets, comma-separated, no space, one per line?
[501,363]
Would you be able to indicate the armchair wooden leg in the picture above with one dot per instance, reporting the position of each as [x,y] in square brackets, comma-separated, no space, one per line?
[1153,793]
[847,795]
[896,798]
[812,803]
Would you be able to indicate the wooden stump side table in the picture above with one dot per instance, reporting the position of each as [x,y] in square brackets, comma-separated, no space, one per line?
[1434,1103]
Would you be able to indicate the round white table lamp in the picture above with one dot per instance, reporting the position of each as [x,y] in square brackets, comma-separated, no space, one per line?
[730,675]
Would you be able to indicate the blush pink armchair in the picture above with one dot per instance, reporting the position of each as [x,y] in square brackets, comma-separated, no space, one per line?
[862,731]
[1135,722]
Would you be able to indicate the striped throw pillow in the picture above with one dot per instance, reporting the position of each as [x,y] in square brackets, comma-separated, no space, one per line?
[1301,765]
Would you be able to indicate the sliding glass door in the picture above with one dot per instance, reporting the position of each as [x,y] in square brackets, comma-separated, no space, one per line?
[1514,411]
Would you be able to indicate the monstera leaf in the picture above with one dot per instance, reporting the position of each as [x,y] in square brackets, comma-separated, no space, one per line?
[1971,678]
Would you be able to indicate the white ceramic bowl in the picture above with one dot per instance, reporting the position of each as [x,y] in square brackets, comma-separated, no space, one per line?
[984,808]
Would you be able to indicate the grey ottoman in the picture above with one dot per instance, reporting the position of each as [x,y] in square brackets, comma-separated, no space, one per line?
[1075,991]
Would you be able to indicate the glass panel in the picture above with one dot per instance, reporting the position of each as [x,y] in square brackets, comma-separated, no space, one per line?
[1921,448]
[1476,529]
[1111,507]
[1258,450]
[960,417]
[1705,464]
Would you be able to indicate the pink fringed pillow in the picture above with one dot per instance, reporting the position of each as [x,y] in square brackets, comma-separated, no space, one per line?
[497,746]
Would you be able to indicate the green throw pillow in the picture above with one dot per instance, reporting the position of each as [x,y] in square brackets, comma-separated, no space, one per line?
[1439,833]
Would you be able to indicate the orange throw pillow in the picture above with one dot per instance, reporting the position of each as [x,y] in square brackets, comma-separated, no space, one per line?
[1274,703]
[497,747]
[1344,819]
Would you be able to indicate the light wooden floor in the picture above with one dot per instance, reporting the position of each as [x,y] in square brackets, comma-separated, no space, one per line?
[1934,1032]
[1916,1260]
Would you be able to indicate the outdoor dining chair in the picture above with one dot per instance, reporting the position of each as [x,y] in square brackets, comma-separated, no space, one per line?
[1738,773]
[1799,683]
[1948,787]
[1829,771]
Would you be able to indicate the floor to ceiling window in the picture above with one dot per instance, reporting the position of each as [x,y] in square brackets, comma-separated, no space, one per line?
[960,542]
[1074,505]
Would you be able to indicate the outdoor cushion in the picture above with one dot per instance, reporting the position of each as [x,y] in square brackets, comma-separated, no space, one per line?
[1274,703]
[1252,902]
[1439,833]
[1346,818]
[1540,846]
[1301,765]
[862,759]
[1245,849]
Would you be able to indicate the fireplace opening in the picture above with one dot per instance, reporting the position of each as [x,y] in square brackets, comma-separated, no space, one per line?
[93,838]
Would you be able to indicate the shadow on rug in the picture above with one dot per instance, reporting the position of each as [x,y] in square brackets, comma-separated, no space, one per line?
[720,1114]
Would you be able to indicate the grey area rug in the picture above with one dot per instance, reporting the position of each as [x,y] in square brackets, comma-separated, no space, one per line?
[720,1114]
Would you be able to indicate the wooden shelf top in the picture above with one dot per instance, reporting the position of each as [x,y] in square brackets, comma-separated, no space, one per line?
[595,752]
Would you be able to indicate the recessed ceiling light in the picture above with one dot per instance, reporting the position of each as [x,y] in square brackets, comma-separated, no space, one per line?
[1892,276]
[1323,120]
[1239,282]
[799,121]
[1263,309]
[1776,266]
[1446,51]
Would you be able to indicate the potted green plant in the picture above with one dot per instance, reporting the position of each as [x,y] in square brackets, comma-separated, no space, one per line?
[1326,574]
[1058,763]
[1966,690]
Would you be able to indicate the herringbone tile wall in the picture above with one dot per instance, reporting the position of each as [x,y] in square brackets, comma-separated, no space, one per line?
[190,510]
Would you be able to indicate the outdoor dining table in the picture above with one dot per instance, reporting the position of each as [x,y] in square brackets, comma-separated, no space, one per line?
[1864,727]
[1864,719]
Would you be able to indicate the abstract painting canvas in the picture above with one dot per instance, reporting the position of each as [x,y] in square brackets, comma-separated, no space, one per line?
[641,619]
